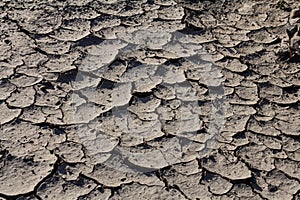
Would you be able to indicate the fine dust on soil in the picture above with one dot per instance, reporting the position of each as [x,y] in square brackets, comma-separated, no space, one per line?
[53,52]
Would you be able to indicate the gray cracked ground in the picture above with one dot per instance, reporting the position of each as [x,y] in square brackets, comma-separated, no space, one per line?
[106,100]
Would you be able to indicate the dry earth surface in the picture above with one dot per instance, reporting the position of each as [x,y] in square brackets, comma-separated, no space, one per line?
[149,99]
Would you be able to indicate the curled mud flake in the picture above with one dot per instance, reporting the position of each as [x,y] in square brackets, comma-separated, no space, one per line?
[243,191]
[262,36]
[222,165]
[279,81]
[171,13]
[107,176]
[290,144]
[165,2]
[42,22]
[228,52]
[144,192]
[48,94]
[258,157]
[185,92]
[138,73]
[71,172]
[56,187]
[276,185]
[97,193]
[269,141]
[187,168]
[54,115]
[130,11]
[193,20]
[84,113]
[287,113]
[70,152]
[21,174]
[213,79]
[33,114]
[53,46]
[93,95]
[72,30]
[95,141]
[121,94]
[184,50]
[176,150]
[138,105]
[231,79]
[7,114]
[169,26]
[251,22]
[202,37]
[188,183]
[104,21]
[30,64]
[111,33]
[246,8]
[23,132]
[84,80]
[5,50]
[247,93]
[153,159]
[112,7]
[290,127]
[294,155]
[226,40]
[22,97]
[148,38]
[6,88]
[146,84]
[101,55]
[263,62]
[233,110]
[270,92]
[235,66]
[231,18]
[138,130]
[262,127]
[22,80]
[82,12]
[236,122]
[217,185]
[171,74]
[265,112]
[275,19]
[107,2]
[290,96]
[240,36]
[248,47]
[208,20]
[106,144]
[109,126]
[295,13]
[38,21]
[21,44]
[113,72]
[165,92]
[290,167]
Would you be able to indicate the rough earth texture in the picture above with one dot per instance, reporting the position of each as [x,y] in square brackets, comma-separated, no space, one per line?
[97,101]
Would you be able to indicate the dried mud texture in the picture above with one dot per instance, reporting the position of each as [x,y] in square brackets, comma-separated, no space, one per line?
[149,99]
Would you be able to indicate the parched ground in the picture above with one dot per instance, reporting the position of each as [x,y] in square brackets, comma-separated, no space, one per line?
[149,99]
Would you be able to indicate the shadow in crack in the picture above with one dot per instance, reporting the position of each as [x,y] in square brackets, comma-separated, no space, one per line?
[89,40]
[70,76]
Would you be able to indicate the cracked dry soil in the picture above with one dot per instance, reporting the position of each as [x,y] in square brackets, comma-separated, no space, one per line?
[63,81]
